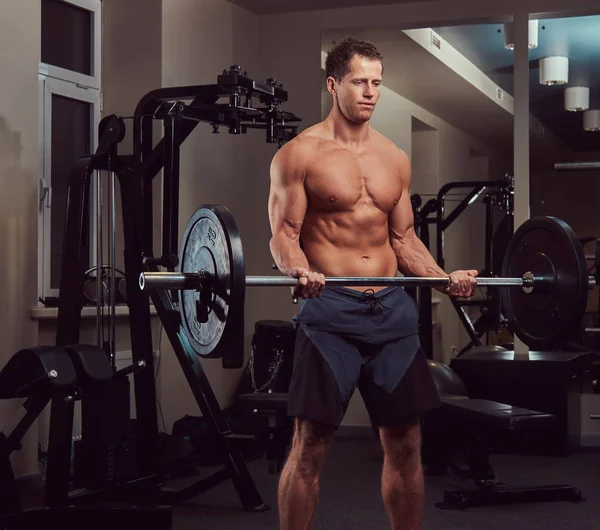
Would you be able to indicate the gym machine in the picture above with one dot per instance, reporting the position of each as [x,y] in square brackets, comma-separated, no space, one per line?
[231,103]
[65,374]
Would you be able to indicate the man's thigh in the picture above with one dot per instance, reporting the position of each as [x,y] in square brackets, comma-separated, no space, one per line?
[413,395]
[325,374]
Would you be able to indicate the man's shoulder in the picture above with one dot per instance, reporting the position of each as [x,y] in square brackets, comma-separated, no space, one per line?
[302,145]
[312,136]
[304,140]
[294,156]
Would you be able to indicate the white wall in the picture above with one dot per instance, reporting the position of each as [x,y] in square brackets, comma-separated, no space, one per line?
[19,60]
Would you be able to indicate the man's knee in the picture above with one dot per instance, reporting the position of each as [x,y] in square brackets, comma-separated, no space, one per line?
[309,446]
[402,443]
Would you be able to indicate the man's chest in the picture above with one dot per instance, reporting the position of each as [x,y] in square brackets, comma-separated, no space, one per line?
[339,179]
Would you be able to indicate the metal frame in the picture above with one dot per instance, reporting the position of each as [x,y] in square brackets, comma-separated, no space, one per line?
[434,212]
[136,174]
[444,222]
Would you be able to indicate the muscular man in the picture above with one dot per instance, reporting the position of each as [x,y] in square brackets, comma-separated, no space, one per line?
[343,190]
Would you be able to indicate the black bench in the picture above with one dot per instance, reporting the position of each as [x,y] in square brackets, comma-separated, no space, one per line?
[543,380]
[469,427]
[492,415]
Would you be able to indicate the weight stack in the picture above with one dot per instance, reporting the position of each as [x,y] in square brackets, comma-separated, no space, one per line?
[102,458]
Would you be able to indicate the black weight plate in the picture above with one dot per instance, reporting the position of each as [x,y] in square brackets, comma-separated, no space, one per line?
[546,318]
[212,243]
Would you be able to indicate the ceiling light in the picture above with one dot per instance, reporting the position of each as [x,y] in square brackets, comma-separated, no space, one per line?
[591,120]
[509,35]
[577,98]
[554,70]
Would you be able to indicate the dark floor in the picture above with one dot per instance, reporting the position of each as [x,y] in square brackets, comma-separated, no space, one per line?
[350,496]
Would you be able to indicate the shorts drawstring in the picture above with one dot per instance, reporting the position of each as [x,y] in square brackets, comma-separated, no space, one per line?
[370,298]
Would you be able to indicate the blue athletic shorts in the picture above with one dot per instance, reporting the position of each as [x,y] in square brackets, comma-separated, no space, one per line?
[370,340]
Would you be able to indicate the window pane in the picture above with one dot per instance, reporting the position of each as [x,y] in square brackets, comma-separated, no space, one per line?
[71,139]
[66,36]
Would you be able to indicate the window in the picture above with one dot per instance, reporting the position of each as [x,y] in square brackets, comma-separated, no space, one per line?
[70,106]
[71,41]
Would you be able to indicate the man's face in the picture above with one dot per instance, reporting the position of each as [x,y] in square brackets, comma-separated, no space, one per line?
[359,89]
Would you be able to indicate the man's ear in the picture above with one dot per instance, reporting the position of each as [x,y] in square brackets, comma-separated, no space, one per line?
[331,85]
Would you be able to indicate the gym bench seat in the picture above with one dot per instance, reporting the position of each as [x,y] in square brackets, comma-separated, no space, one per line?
[473,423]
[492,415]
[275,426]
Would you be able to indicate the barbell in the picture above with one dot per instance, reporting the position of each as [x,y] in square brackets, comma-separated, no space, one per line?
[195,280]
[544,282]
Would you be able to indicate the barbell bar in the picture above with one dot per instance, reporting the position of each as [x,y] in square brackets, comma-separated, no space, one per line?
[190,280]
[544,260]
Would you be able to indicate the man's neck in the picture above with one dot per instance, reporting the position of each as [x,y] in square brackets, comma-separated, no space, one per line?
[344,131]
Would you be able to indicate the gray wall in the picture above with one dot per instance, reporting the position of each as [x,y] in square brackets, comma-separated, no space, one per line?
[19,60]
[131,67]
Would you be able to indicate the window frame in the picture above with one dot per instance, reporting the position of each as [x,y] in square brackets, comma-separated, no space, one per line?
[86,88]
[49,86]
[94,80]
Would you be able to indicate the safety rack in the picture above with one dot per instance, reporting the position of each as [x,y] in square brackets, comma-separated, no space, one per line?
[180,109]
[497,194]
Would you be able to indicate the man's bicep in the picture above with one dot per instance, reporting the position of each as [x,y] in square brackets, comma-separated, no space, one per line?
[287,196]
[401,218]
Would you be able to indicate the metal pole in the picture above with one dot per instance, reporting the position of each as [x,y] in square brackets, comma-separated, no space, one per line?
[113,267]
[576,166]
[190,280]
[265,281]
[99,258]
[521,126]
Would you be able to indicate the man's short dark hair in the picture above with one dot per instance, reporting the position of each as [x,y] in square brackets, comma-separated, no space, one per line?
[338,60]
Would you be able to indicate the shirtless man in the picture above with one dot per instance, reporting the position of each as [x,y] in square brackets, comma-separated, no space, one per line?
[343,190]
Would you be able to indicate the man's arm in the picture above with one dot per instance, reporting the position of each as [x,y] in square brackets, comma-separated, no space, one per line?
[413,257]
[287,207]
